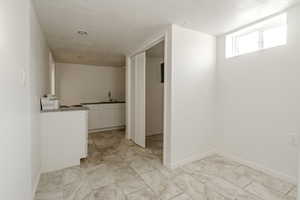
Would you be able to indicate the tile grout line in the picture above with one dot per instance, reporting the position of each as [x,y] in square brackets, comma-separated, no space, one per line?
[172,198]
[234,184]
[145,183]
[148,186]
[156,167]
[290,190]
[139,175]
[244,188]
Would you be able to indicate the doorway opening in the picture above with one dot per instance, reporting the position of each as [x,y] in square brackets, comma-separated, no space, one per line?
[146,108]
[155,99]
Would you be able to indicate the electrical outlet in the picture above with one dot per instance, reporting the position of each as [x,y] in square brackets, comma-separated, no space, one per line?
[293,138]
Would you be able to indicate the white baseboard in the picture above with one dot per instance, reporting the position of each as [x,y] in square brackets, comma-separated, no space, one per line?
[151,134]
[259,167]
[191,158]
[35,185]
[256,166]
[106,129]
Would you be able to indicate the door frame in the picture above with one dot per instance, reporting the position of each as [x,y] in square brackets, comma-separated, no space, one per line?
[166,37]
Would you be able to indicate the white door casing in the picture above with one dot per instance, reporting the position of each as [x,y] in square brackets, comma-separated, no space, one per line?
[130,93]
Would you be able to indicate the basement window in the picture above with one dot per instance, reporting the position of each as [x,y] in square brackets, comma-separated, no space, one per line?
[263,35]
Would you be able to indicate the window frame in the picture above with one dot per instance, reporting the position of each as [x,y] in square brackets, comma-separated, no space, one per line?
[261,28]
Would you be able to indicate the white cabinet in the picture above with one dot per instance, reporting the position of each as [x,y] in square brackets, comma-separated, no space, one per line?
[106,116]
[64,139]
[95,117]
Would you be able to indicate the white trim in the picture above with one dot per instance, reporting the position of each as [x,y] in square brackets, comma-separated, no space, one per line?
[37,180]
[106,129]
[261,168]
[128,97]
[256,166]
[151,133]
[149,43]
[163,36]
[253,165]
[192,158]
[169,76]
[274,22]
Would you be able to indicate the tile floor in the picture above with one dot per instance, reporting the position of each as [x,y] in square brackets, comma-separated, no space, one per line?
[117,169]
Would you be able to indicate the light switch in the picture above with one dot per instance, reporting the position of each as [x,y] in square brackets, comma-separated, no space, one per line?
[293,138]
[23,77]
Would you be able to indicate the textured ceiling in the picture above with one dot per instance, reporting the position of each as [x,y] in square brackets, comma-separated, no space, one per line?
[115,27]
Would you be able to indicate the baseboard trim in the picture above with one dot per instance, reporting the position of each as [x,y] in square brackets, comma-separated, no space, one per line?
[259,167]
[191,158]
[37,180]
[107,129]
[256,166]
[151,134]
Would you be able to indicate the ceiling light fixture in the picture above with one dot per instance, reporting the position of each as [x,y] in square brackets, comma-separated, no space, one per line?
[82,33]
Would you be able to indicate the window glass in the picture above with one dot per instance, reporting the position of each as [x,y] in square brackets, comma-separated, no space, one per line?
[263,35]
[274,37]
[247,43]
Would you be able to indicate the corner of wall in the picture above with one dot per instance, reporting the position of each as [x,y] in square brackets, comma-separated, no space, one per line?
[192,157]
[36,183]
[259,167]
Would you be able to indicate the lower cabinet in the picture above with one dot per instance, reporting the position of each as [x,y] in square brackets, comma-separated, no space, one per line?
[64,139]
[106,116]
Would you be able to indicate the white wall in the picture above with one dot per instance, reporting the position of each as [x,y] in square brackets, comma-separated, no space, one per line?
[14,137]
[154,96]
[259,103]
[77,84]
[193,94]
[39,84]
[18,156]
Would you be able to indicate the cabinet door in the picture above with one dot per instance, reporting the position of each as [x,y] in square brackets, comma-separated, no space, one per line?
[112,115]
[94,118]
[106,116]
[123,115]
[140,95]
[109,115]
[116,115]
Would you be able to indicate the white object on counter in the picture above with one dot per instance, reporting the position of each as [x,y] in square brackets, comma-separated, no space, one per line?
[50,102]
[64,139]
[106,116]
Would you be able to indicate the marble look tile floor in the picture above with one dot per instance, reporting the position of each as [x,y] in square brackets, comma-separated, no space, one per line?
[117,169]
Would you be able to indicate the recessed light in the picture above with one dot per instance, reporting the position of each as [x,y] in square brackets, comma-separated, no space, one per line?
[82,33]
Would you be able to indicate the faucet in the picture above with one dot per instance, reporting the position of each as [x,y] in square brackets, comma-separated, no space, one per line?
[109,96]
